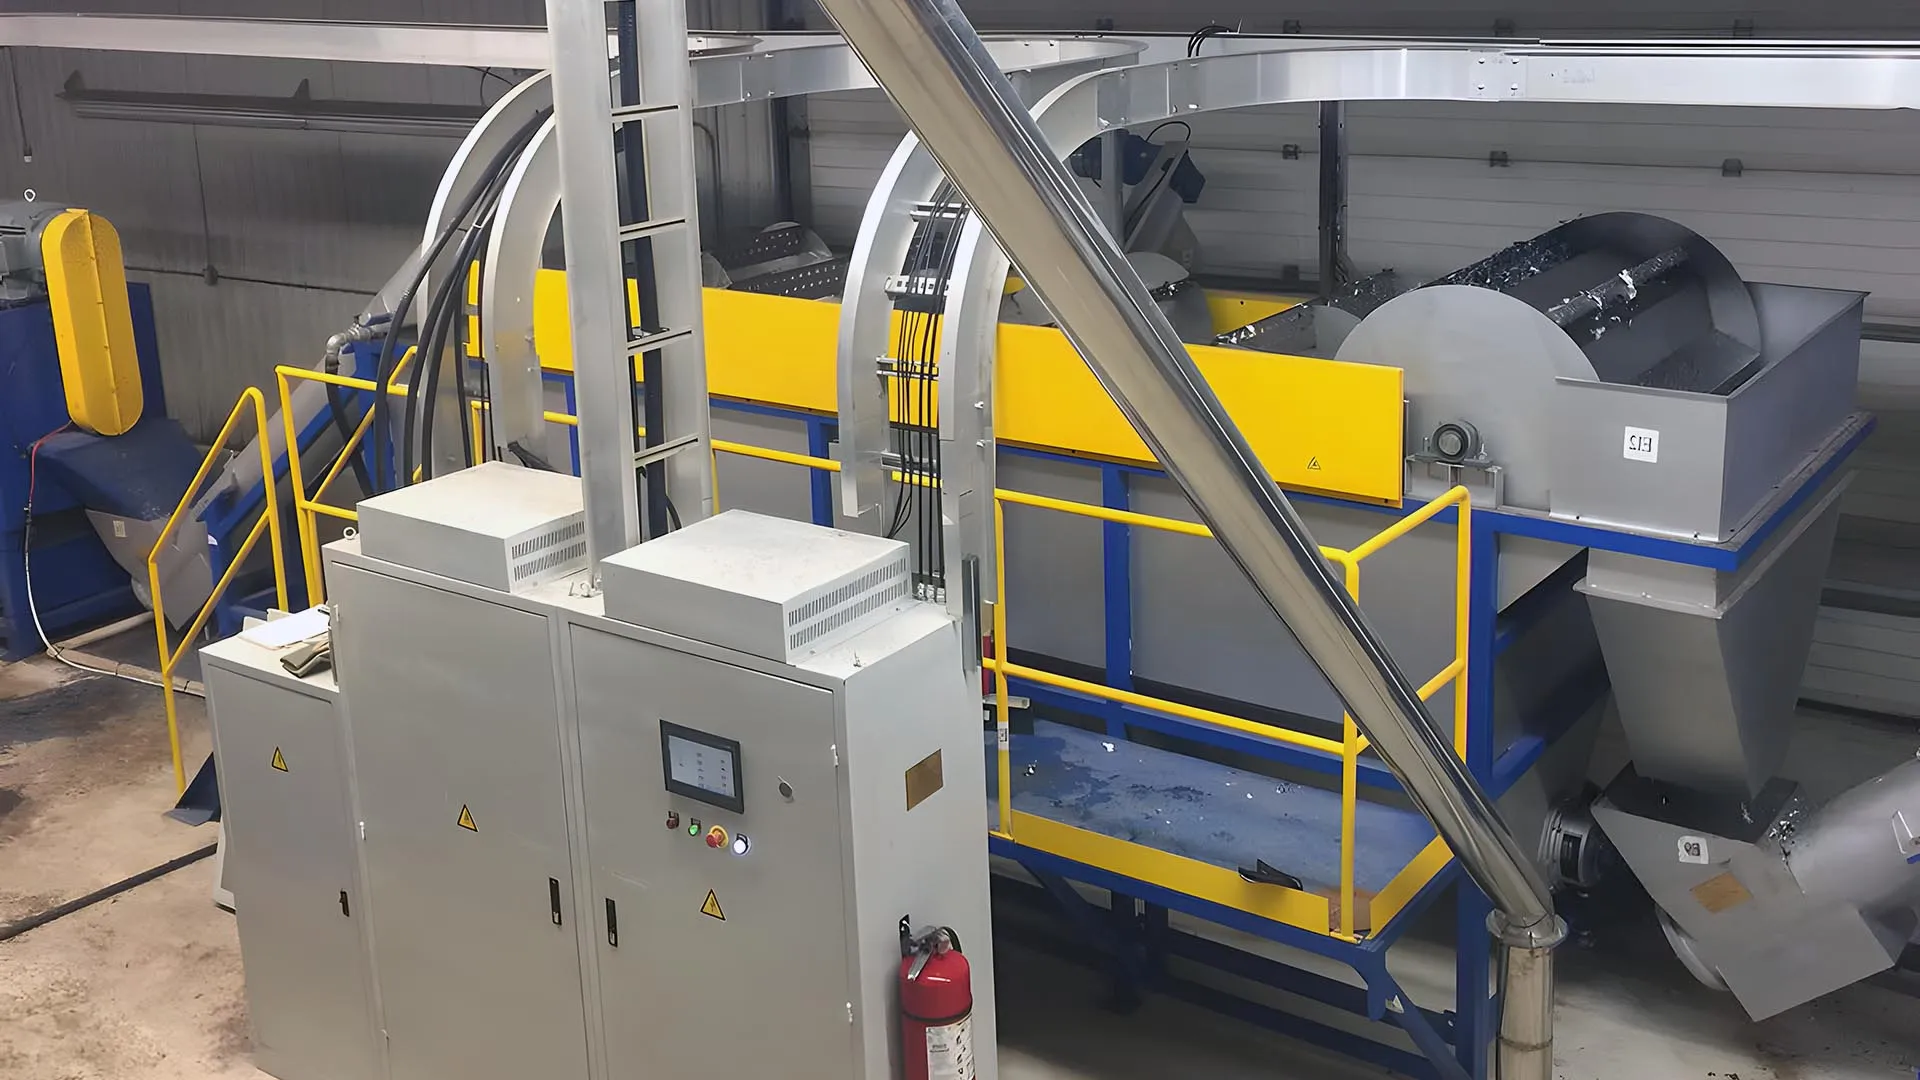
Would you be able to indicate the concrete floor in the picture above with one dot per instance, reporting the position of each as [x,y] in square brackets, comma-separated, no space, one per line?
[148,986]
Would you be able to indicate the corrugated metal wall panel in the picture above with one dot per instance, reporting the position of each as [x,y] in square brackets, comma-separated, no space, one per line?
[327,216]
[1423,198]
[218,340]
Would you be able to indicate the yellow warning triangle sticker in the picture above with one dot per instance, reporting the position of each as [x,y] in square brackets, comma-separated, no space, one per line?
[1313,463]
[711,908]
[279,760]
[466,819]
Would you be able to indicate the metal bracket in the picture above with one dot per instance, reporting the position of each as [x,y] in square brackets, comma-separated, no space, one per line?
[1428,475]
[665,450]
[1497,76]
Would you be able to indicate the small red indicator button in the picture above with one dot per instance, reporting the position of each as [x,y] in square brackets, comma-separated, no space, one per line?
[673,819]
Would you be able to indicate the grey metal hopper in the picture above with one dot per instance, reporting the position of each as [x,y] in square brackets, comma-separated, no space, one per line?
[1705,664]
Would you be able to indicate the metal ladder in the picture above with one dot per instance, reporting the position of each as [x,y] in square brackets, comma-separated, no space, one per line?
[632,233]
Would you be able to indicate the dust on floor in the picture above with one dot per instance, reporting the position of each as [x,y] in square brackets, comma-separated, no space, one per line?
[145,986]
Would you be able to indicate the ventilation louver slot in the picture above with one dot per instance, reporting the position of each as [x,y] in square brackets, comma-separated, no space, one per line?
[862,596]
[551,554]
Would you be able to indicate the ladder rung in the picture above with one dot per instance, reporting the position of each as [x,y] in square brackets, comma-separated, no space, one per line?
[927,211]
[654,227]
[651,454]
[655,340]
[627,113]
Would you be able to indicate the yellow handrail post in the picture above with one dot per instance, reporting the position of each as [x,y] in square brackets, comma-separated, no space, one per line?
[1462,615]
[1002,721]
[1349,779]
[268,522]
[308,508]
[302,517]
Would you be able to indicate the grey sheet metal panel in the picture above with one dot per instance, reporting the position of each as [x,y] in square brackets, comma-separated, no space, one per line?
[292,864]
[765,487]
[1705,464]
[895,714]
[769,982]
[1707,665]
[451,705]
[1196,626]
[1842,852]
[1055,582]
[1481,356]
[1716,869]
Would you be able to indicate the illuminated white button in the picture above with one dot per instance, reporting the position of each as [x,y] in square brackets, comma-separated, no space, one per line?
[741,844]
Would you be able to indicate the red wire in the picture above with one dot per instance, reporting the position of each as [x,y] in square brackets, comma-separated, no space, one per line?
[33,462]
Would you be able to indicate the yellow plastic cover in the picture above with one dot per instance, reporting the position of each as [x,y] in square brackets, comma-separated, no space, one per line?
[92,323]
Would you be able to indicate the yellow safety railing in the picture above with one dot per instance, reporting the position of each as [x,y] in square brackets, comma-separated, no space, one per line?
[269,523]
[307,509]
[1348,748]
[1351,744]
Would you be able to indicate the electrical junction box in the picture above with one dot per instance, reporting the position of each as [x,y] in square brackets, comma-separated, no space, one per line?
[763,585]
[497,525]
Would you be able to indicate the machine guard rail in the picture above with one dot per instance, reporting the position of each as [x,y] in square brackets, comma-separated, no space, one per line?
[269,523]
[1347,749]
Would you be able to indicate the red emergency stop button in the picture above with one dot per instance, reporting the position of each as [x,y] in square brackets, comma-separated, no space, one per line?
[717,837]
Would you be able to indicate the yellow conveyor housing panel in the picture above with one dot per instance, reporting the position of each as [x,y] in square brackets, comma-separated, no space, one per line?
[92,322]
[1317,425]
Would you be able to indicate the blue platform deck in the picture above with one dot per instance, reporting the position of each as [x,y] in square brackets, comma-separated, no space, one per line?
[1201,810]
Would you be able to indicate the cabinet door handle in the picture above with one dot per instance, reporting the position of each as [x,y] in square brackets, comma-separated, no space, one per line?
[553,898]
[344,909]
[613,924]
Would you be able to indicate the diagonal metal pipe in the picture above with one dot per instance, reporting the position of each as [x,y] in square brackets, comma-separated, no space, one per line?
[934,66]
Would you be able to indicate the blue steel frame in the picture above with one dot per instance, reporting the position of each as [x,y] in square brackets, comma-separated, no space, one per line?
[1133,930]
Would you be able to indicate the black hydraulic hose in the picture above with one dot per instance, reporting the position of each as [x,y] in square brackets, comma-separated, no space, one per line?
[452,317]
[337,408]
[448,300]
[383,369]
[33,922]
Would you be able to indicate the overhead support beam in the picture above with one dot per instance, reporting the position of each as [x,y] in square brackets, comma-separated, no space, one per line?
[284,39]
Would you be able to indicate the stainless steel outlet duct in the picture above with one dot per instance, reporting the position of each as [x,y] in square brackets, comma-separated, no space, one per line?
[935,68]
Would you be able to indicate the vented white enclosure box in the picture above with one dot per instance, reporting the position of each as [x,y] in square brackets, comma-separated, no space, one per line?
[763,585]
[496,525]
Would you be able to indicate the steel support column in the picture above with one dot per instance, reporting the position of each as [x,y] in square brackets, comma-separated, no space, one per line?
[596,286]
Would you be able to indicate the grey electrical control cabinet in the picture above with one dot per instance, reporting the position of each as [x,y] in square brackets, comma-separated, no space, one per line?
[291,865]
[642,842]
[756,830]
[496,525]
[451,706]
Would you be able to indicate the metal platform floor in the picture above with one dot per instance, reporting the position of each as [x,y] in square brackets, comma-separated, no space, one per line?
[1202,810]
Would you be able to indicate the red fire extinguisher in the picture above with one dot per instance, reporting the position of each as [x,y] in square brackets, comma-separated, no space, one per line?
[936,1006]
